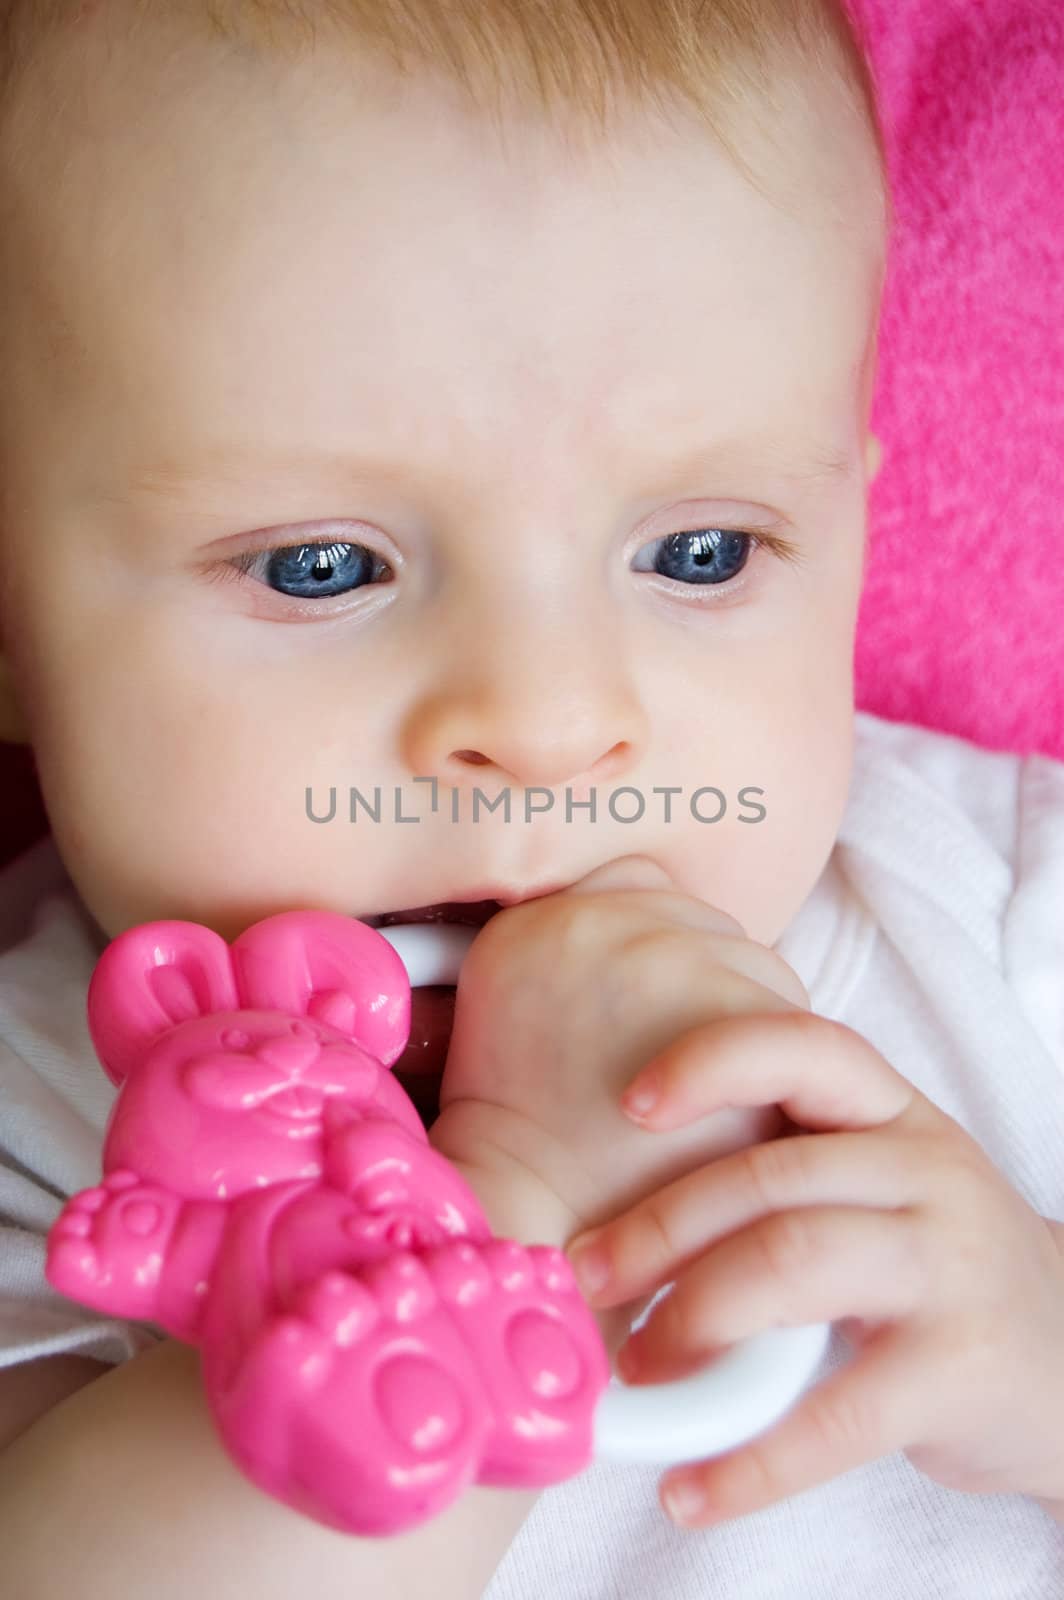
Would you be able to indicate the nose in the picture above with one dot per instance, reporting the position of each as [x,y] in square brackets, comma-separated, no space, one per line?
[289,1056]
[530,707]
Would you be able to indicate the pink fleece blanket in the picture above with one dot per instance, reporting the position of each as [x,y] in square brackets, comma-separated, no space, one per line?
[962,621]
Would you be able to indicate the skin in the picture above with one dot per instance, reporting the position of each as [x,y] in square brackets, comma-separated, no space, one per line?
[531,334]
[873,1210]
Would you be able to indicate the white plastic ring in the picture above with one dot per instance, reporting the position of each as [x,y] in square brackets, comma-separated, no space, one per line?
[740,1394]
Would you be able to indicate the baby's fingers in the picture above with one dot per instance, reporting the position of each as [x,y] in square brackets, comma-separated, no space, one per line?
[796,1267]
[823,1074]
[645,1246]
[870,1409]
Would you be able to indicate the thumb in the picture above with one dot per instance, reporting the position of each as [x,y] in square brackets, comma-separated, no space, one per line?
[627,872]
[642,872]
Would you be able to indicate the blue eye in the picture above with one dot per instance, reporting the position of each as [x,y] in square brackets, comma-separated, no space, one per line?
[706,556]
[314,571]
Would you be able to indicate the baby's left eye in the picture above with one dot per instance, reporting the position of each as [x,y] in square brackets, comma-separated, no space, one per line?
[711,556]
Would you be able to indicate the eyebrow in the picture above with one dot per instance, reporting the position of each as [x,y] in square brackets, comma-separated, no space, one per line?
[235,465]
[793,460]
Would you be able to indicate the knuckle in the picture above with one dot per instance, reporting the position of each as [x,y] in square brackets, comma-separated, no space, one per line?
[721,924]
[557,926]
[656,1244]
[770,1170]
[685,913]
[781,979]
[831,1043]
[844,1419]
[646,942]
[755,1478]
[787,1244]
[808,1026]
[747,993]
[765,967]
[662,952]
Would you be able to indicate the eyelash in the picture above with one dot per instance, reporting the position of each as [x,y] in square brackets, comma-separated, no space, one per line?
[240,566]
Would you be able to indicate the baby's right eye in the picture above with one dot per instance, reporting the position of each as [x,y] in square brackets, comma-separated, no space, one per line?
[313,571]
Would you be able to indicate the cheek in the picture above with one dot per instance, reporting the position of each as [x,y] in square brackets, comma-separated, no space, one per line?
[169,798]
[805,804]
[785,729]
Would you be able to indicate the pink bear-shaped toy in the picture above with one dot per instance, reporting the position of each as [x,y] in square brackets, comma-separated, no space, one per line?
[368,1348]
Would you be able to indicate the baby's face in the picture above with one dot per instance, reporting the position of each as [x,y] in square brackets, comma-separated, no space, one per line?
[345,447]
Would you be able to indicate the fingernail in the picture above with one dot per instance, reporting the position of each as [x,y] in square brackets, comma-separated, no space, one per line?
[684,1499]
[642,1095]
[588,1261]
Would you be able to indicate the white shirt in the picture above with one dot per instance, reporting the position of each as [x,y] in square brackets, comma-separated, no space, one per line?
[936,931]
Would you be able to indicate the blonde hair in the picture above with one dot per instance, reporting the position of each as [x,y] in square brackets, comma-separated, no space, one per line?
[719,57]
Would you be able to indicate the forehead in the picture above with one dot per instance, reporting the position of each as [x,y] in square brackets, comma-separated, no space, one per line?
[310,240]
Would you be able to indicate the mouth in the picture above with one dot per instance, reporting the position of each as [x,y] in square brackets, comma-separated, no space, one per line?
[297,1109]
[469,913]
[473,911]
[419,1070]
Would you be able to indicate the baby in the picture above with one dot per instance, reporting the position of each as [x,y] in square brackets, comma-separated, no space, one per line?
[496,429]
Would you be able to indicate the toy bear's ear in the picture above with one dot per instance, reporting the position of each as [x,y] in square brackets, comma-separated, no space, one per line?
[148,980]
[326,965]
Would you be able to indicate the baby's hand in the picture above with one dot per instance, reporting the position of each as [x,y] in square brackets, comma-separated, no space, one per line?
[560,1001]
[887,1217]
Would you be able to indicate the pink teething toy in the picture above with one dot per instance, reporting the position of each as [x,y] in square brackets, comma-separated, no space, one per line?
[368,1347]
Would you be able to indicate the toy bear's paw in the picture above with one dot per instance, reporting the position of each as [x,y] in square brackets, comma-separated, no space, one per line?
[107,1248]
[390,1175]
[360,1404]
[539,1352]
[379,1394]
